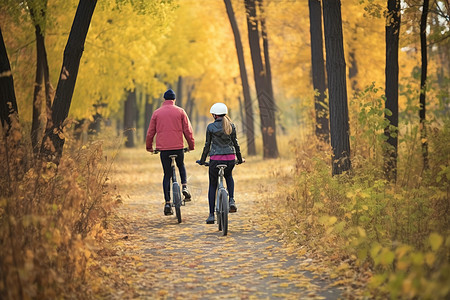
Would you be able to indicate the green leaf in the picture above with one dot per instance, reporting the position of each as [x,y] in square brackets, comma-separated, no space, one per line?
[417,258]
[386,257]
[375,250]
[377,280]
[332,220]
[435,241]
[362,254]
[361,231]
[430,258]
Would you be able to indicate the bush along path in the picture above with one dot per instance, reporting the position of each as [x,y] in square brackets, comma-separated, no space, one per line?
[152,256]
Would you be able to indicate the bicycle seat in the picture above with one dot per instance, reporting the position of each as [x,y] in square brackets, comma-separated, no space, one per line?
[173,155]
[221,166]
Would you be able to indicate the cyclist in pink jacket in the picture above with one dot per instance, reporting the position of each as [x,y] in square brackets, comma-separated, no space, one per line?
[170,123]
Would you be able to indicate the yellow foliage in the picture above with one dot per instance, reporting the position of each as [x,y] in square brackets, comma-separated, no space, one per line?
[435,241]
[46,218]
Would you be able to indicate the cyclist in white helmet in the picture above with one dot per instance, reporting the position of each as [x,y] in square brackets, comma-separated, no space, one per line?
[223,148]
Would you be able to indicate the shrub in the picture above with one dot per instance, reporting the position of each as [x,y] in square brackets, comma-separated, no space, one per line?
[397,231]
[50,217]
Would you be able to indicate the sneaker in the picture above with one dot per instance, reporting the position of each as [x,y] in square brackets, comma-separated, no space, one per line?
[210,219]
[168,209]
[187,195]
[233,207]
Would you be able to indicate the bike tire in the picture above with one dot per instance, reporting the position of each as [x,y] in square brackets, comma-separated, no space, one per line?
[219,220]
[224,211]
[177,200]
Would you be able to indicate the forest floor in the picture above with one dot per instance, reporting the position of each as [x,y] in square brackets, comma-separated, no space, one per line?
[155,257]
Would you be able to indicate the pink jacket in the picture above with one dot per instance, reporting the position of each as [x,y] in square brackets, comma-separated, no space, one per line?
[169,123]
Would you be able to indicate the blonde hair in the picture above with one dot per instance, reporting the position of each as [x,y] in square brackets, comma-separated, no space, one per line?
[226,125]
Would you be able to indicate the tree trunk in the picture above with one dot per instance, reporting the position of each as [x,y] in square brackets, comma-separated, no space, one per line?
[190,101]
[247,122]
[137,113]
[265,101]
[318,70]
[190,109]
[267,69]
[241,113]
[353,71]
[8,104]
[36,135]
[337,86]
[129,119]
[42,79]
[53,141]
[268,75]
[179,95]
[391,74]
[423,82]
[148,111]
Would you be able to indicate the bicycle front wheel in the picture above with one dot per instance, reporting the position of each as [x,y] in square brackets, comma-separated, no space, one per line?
[224,211]
[177,200]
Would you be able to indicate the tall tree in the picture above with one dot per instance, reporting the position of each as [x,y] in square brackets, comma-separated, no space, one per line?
[248,120]
[180,91]
[391,75]
[265,101]
[337,86]
[148,111]
[37,96]
[129,118]
[318,70]
[267,68]
[353,68]
[190,100]
[423,82]
[8,104]
[38,15]
[53,141]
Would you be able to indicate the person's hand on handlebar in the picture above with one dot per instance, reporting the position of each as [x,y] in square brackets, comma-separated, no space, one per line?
[241,161]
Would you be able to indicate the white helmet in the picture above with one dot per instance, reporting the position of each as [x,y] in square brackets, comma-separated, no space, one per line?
[219,109]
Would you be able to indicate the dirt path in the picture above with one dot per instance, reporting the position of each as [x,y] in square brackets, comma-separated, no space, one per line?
[192,260]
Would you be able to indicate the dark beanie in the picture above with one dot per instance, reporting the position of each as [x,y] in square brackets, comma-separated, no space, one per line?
[169,95]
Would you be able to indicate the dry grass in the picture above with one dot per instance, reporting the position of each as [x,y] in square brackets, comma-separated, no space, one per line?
[386,239]
[51,218]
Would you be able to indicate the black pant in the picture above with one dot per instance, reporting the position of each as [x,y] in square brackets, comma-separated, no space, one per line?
[214,177]
[166,162]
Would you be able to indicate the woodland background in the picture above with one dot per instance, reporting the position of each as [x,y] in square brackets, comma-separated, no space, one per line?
[386,212]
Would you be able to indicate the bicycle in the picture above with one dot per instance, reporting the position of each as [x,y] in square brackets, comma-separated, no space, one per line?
[222,201]
[177,202]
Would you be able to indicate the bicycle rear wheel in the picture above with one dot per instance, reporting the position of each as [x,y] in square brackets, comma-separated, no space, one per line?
[224,211]
[219,219]
[177,200]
